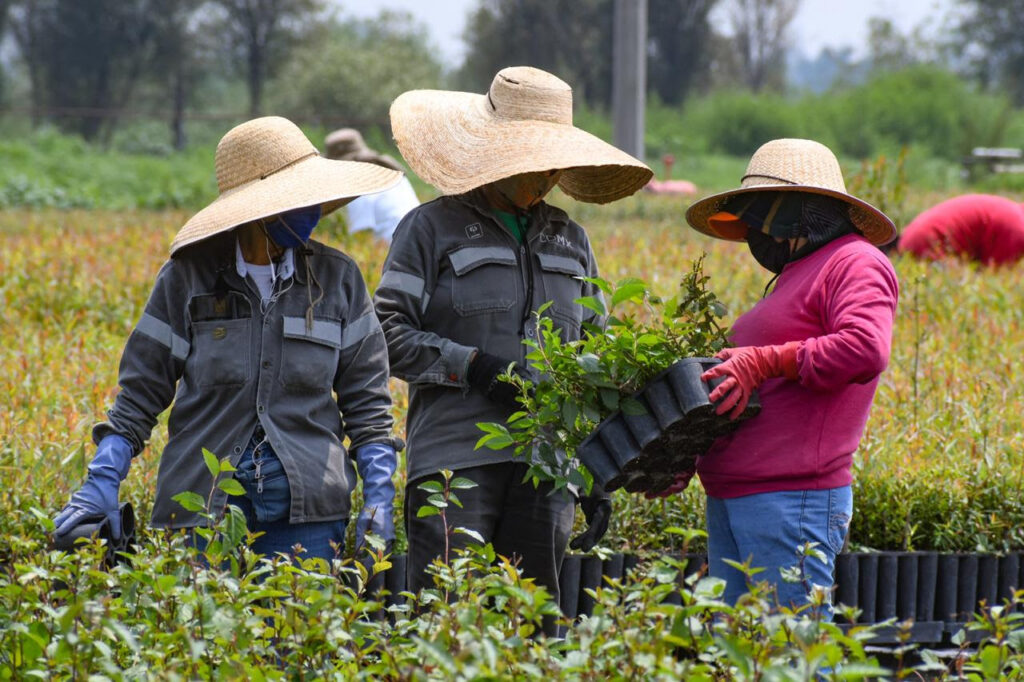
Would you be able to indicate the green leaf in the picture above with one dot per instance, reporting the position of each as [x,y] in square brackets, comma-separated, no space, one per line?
[431,486]
[569,413]
[191,501]
[427,510]
[610,398]
[589,362]
[631,291]
[471,533]
[632,407]
[594,304]
[461,483]
[212,463]
[231,486]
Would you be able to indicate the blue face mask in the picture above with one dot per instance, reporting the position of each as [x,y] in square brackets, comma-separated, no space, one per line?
[292,229]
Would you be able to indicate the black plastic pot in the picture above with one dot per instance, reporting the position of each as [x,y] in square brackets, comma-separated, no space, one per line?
[643,452]
[927,586]
[847,579]
[1008,580]
[867,597]
[99,527]
[946,587]
[906,587]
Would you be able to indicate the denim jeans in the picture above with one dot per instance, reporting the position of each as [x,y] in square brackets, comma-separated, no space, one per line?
[267,502]
[769,529]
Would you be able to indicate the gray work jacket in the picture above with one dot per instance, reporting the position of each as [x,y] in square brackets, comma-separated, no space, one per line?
[455,280]
[205,343]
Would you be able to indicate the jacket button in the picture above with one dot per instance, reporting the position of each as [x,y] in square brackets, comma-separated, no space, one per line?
[261,409]
[238,448]
[266,364]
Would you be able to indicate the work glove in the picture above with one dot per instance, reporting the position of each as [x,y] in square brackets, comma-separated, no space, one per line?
[682,479]
[483,374]
[597,508]
[745,369]
[376,463]
[97,497]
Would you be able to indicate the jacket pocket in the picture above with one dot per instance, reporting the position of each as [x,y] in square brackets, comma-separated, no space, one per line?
[484,279]
[309,357]
[562,287]
[221,349]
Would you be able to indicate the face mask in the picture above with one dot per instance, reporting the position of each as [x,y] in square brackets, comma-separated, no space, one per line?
[292,229]
[771,254]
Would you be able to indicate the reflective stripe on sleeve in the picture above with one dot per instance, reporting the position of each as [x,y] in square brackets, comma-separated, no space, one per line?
[359,330]
[162,333]
[402,281]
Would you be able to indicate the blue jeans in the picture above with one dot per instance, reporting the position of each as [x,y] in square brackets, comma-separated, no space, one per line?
[769,529]
[266,505]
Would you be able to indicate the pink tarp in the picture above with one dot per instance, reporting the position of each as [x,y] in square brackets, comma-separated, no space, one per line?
[981,227]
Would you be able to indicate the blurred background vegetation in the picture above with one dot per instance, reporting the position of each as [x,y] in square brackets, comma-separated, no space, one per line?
[118,103]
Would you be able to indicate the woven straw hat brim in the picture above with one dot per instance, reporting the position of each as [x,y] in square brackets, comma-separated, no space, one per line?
[312,181]
[875,225]
[452,141]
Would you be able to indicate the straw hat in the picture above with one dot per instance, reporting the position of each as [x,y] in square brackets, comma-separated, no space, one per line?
[347,144]
[267,166]
[790,165]
[458,141]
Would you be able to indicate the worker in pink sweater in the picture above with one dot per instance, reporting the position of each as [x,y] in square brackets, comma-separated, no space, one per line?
[985,228]
[813,349]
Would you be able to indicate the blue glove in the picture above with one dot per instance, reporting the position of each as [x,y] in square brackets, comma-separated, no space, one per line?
[376,463]
[98,495]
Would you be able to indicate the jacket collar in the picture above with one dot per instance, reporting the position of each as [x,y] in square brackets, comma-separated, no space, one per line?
[541,214]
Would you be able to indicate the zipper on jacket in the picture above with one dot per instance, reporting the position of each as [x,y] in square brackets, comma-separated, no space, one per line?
[526,262]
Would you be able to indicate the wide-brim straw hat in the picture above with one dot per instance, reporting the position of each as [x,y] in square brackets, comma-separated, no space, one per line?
[792,165]
[347,144]
[267,166]
[458,141]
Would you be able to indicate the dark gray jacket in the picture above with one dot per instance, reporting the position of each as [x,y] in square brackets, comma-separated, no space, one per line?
[204,343]
[456,280]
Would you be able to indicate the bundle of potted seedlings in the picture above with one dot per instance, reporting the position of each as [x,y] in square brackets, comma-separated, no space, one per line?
[625,405]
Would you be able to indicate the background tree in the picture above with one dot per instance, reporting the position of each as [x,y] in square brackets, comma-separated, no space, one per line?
[262,33]
[991,44]
[85,57]
[570,38]
[679,32]
[759,40]
[348,72]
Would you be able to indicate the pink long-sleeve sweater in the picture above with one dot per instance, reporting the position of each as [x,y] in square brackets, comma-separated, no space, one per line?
[840,300]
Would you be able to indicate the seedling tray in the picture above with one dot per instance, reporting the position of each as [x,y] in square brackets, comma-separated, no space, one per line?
[644,452]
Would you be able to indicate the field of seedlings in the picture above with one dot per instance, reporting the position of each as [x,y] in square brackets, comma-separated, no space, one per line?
[941,467]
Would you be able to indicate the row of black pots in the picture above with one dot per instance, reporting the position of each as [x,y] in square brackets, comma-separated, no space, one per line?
[937,591]
[644,452]
[925,586]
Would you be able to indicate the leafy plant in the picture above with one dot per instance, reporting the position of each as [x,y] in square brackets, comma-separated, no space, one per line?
[585,381]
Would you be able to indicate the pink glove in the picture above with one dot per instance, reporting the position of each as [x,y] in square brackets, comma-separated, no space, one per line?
[745,369]
[678,486]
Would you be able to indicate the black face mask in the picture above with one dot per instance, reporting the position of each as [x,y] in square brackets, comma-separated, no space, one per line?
[771,254]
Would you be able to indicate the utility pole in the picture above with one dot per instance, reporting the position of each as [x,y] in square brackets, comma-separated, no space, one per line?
[629,75]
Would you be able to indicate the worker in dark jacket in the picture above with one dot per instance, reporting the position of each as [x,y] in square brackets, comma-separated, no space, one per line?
[460,285]
[268,345]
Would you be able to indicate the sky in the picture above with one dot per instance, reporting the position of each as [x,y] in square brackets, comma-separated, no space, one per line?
[818,23]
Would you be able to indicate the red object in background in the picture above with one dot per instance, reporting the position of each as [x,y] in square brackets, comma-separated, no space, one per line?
[668,185]
[985,228]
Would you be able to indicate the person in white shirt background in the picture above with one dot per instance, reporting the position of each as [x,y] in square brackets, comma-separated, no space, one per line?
[379,212]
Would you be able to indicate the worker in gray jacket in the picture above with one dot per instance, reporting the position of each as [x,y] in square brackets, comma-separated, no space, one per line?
[457,297]
[269,347]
